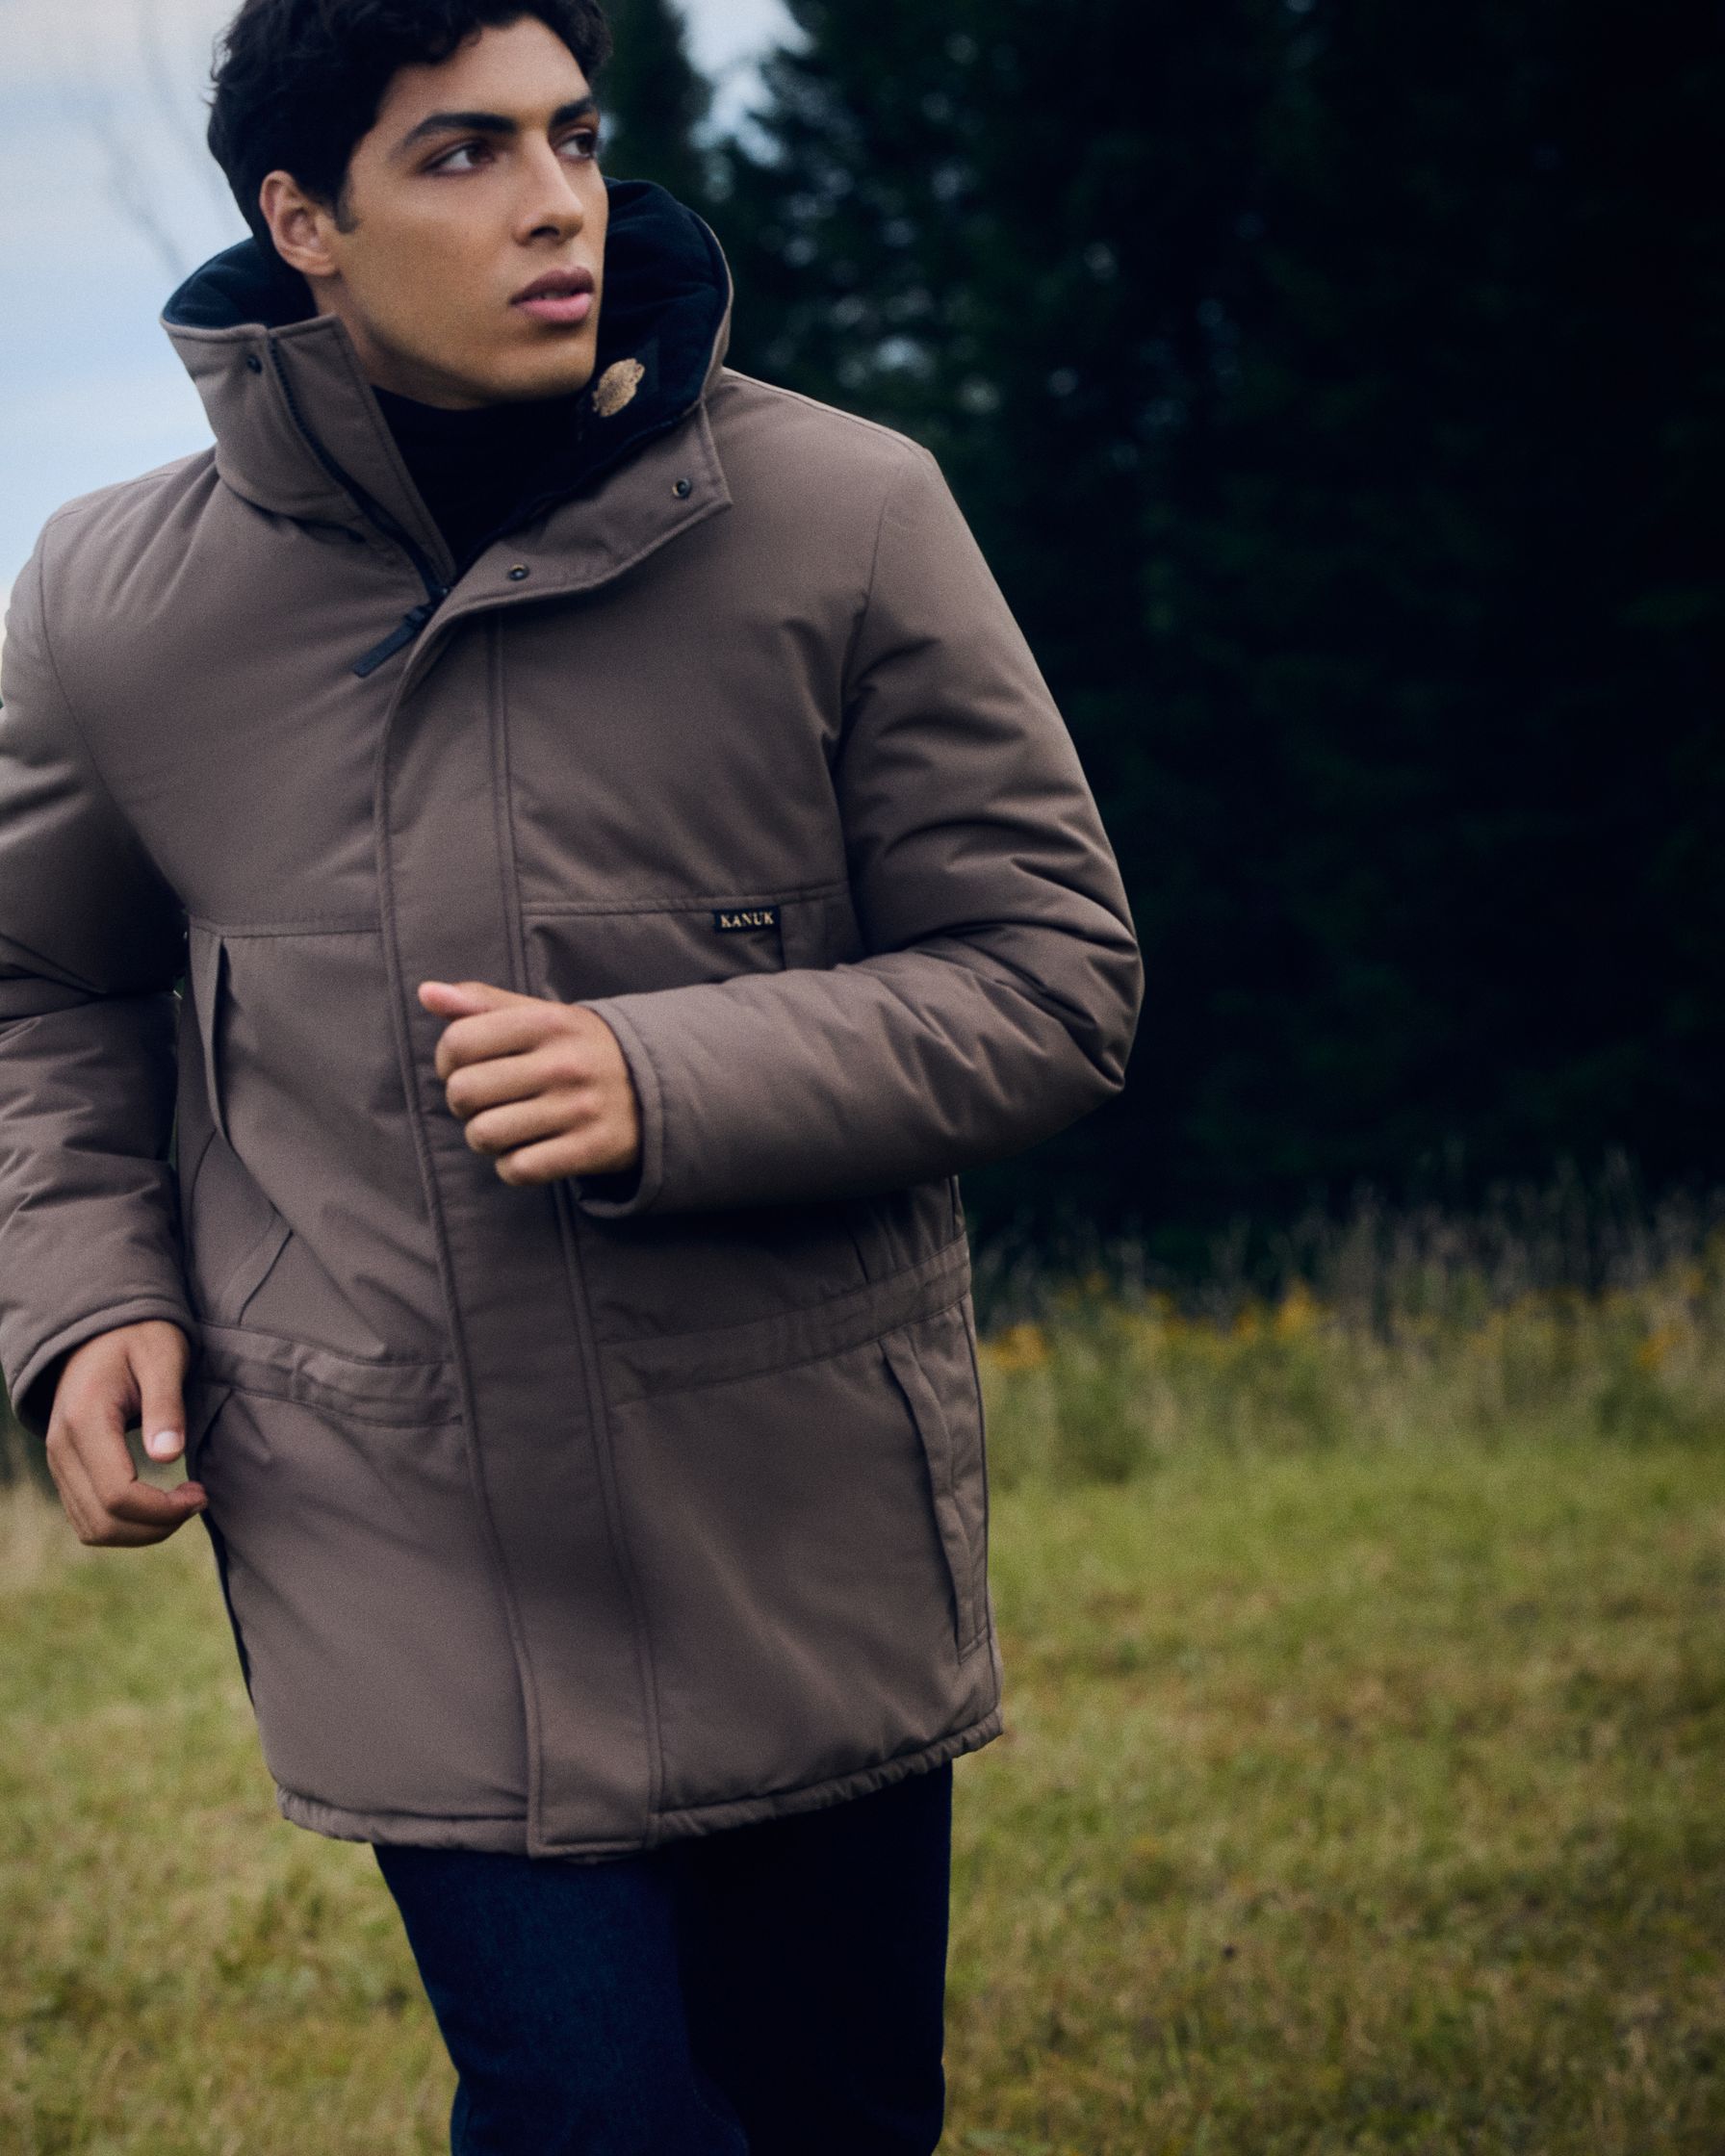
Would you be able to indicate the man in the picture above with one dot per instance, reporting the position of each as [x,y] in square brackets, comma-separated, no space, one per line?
[624,862]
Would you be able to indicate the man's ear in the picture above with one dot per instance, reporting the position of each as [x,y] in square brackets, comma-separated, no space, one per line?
[299,225]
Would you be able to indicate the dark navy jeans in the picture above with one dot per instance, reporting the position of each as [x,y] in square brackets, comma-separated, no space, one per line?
[775,1990]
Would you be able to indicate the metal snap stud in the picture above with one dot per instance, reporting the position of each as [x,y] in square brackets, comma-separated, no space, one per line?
[519,573]
[684,489]
[254,363]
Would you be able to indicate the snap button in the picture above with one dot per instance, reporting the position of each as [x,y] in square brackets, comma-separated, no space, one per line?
[519,573]
[254,363]
[684,489]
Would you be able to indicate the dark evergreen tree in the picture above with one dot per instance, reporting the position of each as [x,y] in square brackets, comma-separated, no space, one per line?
[656,101]
[1335,389]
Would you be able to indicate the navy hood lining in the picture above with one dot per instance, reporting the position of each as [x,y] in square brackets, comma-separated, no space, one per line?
[665,292]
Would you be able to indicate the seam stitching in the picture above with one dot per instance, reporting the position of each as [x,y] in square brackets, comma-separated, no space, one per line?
[82,738]
[952,1742]
[396,1812]
[467,1391]
[827,1354]
[874,563]
[346,1411]
[931,1266]
[309,924]
[339,1354]
[575,1270]
[680,902]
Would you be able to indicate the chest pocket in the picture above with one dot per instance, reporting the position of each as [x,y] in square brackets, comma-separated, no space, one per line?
[577,952]
[681,1272]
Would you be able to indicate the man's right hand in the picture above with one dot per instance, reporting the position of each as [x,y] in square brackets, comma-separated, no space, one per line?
[125,1379]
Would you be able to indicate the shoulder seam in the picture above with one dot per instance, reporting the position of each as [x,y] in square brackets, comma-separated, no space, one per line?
[86,503]
[76,725]
[65,701]
[874,563]
[894,434]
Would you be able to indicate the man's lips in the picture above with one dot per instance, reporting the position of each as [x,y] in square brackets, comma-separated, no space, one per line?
[562,295]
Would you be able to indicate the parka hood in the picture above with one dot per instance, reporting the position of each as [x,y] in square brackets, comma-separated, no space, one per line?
[299,432]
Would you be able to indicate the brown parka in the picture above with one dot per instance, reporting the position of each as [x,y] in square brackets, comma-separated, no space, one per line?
[570,1518]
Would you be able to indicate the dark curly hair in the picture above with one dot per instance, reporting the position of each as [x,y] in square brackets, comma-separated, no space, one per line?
[298,82]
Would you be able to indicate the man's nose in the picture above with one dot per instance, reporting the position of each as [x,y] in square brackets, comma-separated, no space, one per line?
[551,198]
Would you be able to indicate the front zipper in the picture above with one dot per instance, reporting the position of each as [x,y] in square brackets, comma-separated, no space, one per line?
[375,514]
[404,633]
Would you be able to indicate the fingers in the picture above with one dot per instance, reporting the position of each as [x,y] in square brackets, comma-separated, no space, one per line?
[544,1163]
[511,1029]
[520,1122]
[162,1411]
[477,1086]
[455,999]
[106,1384]
[104,1500]
[602,1137]
[542,1086]
[591,1152]
[100,1444]
[577,1131]
[91,1520]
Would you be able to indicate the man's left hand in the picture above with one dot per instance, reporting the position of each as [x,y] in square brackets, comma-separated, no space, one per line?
[543,1087]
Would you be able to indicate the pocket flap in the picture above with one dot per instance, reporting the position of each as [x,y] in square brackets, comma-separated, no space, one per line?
[395,1391]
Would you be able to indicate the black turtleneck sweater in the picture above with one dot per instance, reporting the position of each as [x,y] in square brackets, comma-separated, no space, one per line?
[476,469]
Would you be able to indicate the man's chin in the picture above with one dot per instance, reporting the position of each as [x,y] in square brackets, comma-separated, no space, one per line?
[538,391]
[549,371]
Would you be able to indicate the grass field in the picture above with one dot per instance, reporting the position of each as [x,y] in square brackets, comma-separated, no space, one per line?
[1362,1791]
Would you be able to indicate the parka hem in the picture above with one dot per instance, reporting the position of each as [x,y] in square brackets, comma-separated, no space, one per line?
[508,1833]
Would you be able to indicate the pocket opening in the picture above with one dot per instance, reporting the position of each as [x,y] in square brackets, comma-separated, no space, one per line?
[206,1395]
[933,1427]
[207,956]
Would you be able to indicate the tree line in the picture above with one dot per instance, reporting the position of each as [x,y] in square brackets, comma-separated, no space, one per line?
[1335,391]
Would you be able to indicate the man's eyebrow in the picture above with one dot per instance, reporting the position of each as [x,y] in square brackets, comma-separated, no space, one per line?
[489,123]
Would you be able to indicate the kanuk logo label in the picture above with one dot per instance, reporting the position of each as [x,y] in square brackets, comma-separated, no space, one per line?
[730,920]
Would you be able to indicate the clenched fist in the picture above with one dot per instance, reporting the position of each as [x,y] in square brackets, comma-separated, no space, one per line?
[542,1086]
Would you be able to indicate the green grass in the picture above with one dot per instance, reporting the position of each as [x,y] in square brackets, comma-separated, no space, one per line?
[1354,1803]
[1362,1788]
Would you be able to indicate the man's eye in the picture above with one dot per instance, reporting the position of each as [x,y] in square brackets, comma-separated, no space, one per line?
[585,139]
[447,162]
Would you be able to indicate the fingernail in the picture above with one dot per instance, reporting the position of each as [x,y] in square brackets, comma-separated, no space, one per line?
[163,1445]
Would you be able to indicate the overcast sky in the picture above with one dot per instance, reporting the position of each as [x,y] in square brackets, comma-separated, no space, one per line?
[101,139]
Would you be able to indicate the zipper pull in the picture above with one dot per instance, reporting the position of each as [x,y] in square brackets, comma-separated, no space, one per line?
[403,634]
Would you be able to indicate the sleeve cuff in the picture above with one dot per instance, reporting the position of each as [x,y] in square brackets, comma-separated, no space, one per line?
[32,1387]
[620,1196]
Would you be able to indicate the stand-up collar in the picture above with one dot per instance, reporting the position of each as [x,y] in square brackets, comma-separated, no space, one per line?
[299,430]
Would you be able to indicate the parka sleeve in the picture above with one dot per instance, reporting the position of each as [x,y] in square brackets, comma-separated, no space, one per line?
[1002,985]
[91,945]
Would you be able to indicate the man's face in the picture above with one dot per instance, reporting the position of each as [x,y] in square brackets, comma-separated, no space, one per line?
[477,184]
